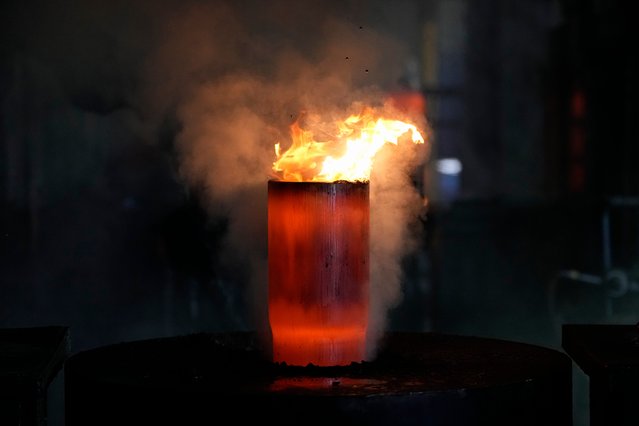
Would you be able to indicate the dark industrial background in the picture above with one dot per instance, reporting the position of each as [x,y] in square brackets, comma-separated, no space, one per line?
[532,183]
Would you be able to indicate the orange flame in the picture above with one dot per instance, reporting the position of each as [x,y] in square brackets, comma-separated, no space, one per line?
[348,156]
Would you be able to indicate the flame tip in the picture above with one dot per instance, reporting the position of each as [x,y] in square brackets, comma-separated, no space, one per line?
[348,155]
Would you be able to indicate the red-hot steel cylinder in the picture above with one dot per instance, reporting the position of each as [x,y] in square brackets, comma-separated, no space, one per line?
[318,259]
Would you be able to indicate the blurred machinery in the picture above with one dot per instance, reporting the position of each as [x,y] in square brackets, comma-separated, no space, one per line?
[617,279]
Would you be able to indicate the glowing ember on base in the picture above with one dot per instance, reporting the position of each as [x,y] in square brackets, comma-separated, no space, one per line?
[318,240]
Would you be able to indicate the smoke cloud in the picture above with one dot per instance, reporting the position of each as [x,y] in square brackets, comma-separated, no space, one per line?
[231,122]
[231,76]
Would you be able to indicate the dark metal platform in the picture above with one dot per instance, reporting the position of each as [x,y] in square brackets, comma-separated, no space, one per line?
[418,378]
[30,358]
[609,355]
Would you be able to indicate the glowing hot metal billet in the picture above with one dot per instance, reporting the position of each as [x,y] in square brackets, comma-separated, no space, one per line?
[318,238]
[318,243]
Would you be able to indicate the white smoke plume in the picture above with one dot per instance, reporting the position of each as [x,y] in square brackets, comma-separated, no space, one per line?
[233,75]
[243,91]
